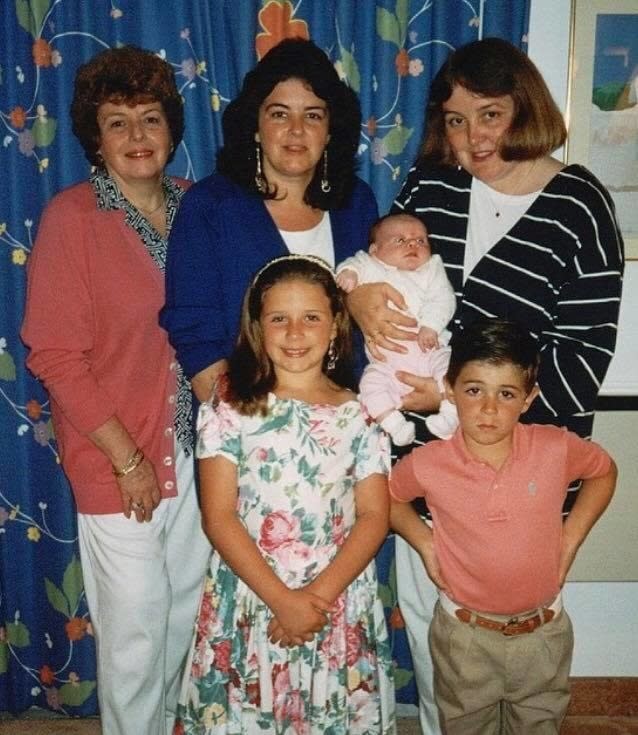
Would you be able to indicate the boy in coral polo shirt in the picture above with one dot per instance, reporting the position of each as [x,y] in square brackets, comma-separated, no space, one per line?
[498,551]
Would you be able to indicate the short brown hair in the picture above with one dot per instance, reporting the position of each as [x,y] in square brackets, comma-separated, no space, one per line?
[494,67]
[125,75]
[497,342]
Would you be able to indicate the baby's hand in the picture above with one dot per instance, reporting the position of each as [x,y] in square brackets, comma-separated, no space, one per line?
[347,280]
[298,616]
[427,338]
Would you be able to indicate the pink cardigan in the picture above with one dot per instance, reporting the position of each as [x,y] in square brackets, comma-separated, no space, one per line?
[91,324]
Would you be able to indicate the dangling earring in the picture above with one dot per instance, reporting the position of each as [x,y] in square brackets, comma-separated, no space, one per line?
[325,184]
[332,357]
[260,181]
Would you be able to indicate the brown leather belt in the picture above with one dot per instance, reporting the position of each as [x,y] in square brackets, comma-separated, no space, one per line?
[513,626]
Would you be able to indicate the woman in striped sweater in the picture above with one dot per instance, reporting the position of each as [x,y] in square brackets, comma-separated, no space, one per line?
[522,237]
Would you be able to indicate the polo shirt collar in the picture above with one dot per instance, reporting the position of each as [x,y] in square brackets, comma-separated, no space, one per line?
[518,445]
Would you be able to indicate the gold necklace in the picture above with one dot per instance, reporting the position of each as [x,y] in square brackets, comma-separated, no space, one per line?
[150,212]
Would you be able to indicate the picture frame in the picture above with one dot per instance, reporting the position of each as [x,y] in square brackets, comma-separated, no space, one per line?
[602,103]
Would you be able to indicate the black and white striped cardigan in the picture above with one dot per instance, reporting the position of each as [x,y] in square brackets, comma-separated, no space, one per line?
[558,271]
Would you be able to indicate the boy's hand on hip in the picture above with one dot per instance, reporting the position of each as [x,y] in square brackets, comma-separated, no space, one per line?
[432,567]
[566,559]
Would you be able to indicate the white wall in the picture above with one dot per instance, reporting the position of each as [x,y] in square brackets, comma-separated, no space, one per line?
[605,614]
[548,46]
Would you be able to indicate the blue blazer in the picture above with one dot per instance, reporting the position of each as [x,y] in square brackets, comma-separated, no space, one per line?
[221,237]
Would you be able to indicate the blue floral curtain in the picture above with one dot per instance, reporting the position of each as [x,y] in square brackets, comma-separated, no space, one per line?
[387,50]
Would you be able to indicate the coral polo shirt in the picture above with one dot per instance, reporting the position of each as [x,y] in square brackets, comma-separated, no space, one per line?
[497,533]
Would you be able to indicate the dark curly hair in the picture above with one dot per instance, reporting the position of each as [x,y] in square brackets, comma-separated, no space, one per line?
[494,67]
[294,58]
[125,75]
[251,375]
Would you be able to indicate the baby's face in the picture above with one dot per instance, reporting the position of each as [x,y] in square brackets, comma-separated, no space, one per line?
[401,242]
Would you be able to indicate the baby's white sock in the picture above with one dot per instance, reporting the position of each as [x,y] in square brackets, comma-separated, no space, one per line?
[401,430]
[444,423]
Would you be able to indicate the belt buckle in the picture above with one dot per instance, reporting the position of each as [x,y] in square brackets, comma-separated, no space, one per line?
[512,622]
[516,626]
[513,627]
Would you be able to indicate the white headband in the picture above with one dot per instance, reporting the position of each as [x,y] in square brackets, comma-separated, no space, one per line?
[294,257]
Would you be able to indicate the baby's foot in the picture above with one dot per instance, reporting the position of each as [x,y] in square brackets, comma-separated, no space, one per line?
[401,430]
[442,424]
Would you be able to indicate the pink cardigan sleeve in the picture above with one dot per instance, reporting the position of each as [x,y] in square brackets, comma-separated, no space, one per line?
[59,321]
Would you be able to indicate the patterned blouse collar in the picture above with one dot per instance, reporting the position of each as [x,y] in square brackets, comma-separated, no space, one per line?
[109,197]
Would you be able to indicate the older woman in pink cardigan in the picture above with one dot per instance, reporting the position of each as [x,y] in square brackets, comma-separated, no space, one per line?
[118,402]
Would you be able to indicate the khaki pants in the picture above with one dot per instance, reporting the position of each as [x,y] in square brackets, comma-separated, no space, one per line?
[486,683]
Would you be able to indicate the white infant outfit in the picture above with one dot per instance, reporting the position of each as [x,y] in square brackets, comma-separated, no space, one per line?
[430,299]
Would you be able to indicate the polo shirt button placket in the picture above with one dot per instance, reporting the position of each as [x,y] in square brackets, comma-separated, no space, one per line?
[497,507]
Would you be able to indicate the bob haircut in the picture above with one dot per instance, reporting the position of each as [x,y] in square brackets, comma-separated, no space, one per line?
[294,58]
[493,67]
[497,342]
[251,375]
[126,75]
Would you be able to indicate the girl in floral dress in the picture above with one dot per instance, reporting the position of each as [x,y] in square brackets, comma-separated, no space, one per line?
[290,636]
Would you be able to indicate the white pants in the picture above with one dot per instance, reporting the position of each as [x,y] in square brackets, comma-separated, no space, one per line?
[417,596]
[143,582]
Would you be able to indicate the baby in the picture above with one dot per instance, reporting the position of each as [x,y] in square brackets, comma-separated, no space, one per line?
[400,255]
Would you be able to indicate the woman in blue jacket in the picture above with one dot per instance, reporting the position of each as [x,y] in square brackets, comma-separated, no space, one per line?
[284,183]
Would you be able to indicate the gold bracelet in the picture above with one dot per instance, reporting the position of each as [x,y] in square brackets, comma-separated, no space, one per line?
[133,463]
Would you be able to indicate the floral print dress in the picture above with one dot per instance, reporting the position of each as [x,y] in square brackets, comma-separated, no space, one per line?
[296,468]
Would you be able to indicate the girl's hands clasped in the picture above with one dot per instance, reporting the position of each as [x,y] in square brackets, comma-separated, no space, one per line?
[298,617]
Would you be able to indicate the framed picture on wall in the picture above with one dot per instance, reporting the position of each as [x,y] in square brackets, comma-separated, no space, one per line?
[603,102]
